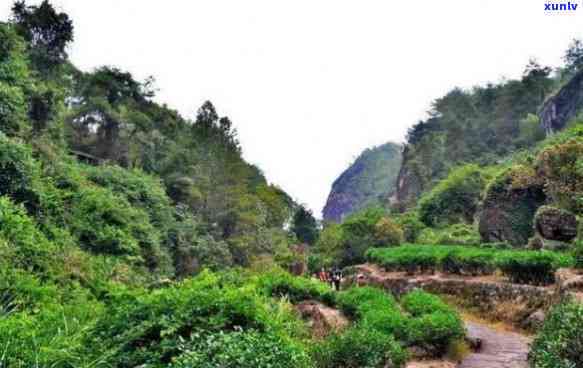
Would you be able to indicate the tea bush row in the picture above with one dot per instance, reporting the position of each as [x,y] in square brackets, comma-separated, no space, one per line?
[520,266]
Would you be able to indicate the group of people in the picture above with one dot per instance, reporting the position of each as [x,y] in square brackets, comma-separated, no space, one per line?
[333,277]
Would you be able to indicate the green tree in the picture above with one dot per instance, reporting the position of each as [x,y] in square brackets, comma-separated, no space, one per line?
[47,31]
[574,56]
[305,226]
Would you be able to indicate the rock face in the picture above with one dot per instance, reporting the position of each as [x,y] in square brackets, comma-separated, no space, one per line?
[321,319]
[555,224]
[370,180]
[409,185]
[564,105]
[509,207]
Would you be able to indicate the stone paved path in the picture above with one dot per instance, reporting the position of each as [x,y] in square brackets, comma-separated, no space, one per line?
[500,349]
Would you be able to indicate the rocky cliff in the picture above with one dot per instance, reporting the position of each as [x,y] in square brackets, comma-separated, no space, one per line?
[370,180]
[563,106]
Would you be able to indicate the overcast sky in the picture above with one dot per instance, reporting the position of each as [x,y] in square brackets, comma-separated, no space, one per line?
[309,84]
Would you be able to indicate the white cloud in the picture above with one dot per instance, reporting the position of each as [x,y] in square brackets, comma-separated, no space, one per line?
[309,84]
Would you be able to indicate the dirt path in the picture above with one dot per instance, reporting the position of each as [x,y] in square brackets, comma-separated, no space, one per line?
[500,349]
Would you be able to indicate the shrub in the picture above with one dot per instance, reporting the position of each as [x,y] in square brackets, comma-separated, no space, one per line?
[536,267]
[18,172]
[141,190]
[106,223]
[358,234]
[241,349]
[561,166]
[387,320]
[559,343]
[418,303]
[436,331]
[409,258]
[360,347]
[434,325]
[358,301]
[296,289]
[411,225]
[25,246]
[455,199]
[14,75]
[471,262]
[387,232]
[147,327]
[458,234]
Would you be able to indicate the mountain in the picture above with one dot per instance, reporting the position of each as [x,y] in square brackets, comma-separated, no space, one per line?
[370,180]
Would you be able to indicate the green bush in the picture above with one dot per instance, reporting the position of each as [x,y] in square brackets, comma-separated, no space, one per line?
[386,320]
[455,199]
[141,190]
[561,166]
[418,303]
[411,225]
[358,301]
[436,331]
[434,325]
[241,349]
[536,267]
[282,284]
[472,262]
[25,246]
[559,343]
[106,223]
[387,232]
[147,327]
[19,173]
[459,234]
[14,75]
[42,324]
[409,258]
[521,266]
[358,234]
[360,347]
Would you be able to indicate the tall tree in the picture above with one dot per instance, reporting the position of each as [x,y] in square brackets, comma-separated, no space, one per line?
[47,31]
[574,56]
[305,226]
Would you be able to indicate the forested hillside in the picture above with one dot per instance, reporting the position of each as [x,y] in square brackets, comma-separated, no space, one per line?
[132,236]
[481,125]
[369,181]
[103,189]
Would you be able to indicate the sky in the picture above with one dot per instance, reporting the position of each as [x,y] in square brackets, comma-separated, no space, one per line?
[309,84]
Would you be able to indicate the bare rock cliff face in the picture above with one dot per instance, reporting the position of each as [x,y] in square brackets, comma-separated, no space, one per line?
[369,181]
[409,186]
[563,106]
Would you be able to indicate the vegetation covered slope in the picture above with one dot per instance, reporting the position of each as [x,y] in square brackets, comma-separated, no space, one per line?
[370,180]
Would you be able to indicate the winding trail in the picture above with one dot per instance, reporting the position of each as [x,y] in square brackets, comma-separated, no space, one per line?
[500,349]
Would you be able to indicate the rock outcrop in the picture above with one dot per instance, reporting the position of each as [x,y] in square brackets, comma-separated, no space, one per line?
[563,106]
[509,207]
[322,320]
[370,180]
[555,224]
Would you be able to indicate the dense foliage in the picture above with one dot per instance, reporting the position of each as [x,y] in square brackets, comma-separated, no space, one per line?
[559,343]
[455,199]
[479,126]
[106,196]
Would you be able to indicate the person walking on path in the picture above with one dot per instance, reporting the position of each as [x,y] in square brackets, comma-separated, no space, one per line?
[336,279]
